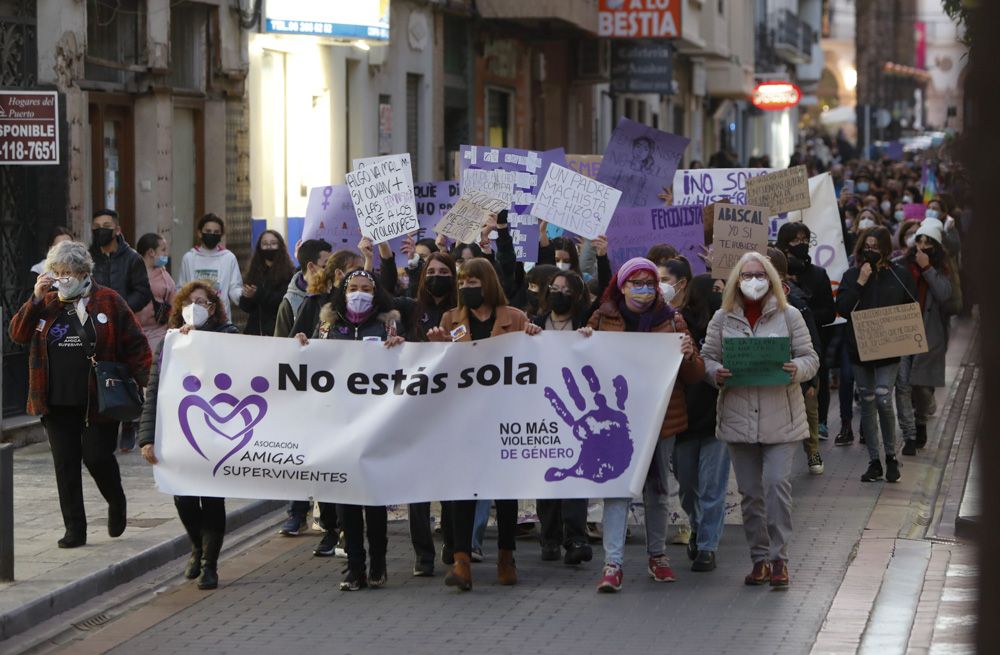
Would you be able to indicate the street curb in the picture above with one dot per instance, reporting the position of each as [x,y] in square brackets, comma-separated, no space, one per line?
[89,587]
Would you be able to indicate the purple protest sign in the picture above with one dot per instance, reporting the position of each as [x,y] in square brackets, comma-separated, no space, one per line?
[530,168]
[914,210]
[640,161]
[634,229]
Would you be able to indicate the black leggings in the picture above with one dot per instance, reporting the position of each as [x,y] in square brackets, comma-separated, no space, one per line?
[201,514]
[462,516]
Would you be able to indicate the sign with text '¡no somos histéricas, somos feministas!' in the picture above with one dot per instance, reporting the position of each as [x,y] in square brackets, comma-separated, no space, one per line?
[382,193]
[575,202]
[738,229]
[579,418]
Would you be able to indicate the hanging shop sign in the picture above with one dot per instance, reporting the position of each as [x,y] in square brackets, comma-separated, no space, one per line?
[775,96]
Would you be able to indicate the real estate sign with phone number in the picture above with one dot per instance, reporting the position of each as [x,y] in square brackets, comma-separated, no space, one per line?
[29,127]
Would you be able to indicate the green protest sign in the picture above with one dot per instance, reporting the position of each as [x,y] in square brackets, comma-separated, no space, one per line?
[756,361]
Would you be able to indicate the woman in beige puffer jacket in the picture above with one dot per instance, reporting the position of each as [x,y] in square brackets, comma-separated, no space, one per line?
[761,424]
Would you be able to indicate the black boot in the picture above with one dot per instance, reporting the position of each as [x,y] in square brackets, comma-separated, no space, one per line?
[874,471]
[909,447]
[921,436]
[211,545]
[193,568]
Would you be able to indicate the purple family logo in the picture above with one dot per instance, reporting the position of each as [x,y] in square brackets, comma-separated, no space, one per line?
[223,414]
[605,440]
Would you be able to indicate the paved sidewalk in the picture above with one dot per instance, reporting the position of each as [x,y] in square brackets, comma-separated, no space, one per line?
[42,570]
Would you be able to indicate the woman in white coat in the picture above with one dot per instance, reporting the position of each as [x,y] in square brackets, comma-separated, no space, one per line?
[762,425]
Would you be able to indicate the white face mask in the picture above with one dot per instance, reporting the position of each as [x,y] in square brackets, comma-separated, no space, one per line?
[194,315]
[910,241]
[866,223]
[754,289]
[359,302]
[886,206]
[668,291]
[907,199]
[563,266]
[73,289]
[412,263]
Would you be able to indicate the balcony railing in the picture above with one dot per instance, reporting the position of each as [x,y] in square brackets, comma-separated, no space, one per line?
[792,37]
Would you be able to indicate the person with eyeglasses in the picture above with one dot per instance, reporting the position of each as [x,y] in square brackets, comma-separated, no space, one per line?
[196,307]
[873,282]
[761,424]
[633,303]
[67,318]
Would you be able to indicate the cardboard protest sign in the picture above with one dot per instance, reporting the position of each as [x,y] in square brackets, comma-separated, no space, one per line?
[826,241]
[529,168]
[782,191]
[894,331]
[497,183]
[464,222]
[738,229]
[640,161]
[382,192]
[576,203]
[703,186]
[634,229]
[756,361]
[589,165]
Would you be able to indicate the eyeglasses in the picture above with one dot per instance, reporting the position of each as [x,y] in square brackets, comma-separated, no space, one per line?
[63,279]
[563,290]
[639,285]
[746,277]
[200,302]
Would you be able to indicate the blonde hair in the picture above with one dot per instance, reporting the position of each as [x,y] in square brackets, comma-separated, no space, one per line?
[732,294]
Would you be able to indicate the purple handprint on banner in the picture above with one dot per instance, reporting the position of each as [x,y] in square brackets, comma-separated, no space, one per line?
[222,409]
[605,441]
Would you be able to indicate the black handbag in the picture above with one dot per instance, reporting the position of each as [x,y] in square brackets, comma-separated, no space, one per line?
[119,396]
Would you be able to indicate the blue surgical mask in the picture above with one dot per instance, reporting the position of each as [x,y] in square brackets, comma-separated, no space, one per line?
[862,186]
[900,214]
[932,213]
[161,261]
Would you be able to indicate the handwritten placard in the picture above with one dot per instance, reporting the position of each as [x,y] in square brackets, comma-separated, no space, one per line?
[382,193]
[782,191]
[575,202]
[738,229]
[640,161]
[589,165]
[634,229]
[465,221]
[756,361]
[894,331]
[496,183]
[703,186]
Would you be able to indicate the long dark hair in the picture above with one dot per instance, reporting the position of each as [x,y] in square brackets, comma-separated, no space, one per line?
[279,272]
[564,243]
[698,306]
[381,303]
[424,297]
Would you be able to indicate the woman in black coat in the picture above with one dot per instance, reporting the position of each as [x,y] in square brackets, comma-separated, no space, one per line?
[266,282]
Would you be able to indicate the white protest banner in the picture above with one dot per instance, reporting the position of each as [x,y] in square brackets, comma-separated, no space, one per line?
[738,229]
[703,186]
[575,202]
[382,192]
[464,222]
[496,183]
[826,244]
[557,415]
[893,331]
[782,191]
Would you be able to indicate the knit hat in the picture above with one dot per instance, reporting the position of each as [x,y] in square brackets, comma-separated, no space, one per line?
[931,227]
[633,266]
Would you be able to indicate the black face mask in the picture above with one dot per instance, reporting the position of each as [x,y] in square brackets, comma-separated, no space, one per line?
[872,257]
[800,251]
[560,302]
[210,241]
[102,236]
[439,285]
[269,255]
[472,297]
[531,297]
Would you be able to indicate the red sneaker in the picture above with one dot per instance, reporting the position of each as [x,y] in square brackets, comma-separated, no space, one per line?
[779,573]
[761,574]
[659,569]
[611,579]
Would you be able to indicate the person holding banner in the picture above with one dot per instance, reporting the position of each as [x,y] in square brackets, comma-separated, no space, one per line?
[361,311]
[762,424]
[928,264]
[196,307]
[68,321]
[482,312]
[875,281]
[633,303]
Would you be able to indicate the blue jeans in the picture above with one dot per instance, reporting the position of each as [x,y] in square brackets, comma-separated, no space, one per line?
[701,465]
[479,527]
[654,499]
[875,384]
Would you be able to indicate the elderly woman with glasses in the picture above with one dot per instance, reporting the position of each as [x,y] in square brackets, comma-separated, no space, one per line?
[763,424]
[69,321]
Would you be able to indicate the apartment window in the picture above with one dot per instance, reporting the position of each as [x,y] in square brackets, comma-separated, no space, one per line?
[116,39]
[413,121]
[499,112]
[189,45]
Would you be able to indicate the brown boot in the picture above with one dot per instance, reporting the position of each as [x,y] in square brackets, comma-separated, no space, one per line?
[506,571]
[460,574]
